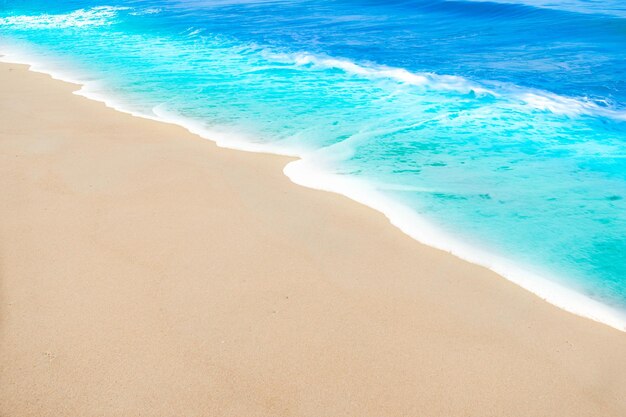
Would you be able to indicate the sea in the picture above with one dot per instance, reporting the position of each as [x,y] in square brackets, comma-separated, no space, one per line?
[494,130]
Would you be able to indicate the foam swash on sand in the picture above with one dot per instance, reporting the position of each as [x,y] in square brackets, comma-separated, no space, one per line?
[494,130]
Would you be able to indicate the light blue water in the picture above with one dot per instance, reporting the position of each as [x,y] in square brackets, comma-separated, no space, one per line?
[494,130]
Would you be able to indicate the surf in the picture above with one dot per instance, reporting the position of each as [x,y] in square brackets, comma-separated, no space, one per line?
[523,180]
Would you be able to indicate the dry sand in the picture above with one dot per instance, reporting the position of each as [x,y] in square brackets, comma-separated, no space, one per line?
[146,272]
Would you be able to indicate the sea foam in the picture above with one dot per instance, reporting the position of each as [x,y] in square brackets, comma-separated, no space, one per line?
[306,173]
[502,105]
[96,16]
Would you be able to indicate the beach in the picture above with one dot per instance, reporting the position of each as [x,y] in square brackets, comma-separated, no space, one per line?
[145,271]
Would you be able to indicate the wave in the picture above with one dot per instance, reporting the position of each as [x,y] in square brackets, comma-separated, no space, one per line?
[96,16]
[305,172]
[94,90]
[430,80]
[308,170]
[533,98]
[568,106]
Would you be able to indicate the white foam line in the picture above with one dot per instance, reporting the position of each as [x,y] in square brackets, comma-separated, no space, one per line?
[372,71]
[91,90]
[304,172]
[96,16]
[568,106]
[534,98]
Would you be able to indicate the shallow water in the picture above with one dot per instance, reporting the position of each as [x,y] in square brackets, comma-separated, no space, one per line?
[494,130]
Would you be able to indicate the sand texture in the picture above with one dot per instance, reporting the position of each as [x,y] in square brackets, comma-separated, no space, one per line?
[146,272]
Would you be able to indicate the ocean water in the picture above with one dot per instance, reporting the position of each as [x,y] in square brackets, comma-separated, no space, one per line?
[493,130]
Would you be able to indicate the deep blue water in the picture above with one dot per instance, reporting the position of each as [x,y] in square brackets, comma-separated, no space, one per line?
[495,130]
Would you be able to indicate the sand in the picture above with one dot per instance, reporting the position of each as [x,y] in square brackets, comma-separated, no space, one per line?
[146,272]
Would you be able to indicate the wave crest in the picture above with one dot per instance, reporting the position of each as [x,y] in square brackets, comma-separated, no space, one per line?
[534,99]
[96,16]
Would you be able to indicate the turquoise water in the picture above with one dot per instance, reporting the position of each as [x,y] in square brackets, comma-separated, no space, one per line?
[496,131]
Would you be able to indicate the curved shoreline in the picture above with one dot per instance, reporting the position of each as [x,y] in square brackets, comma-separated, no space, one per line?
[146,271]
[409,223]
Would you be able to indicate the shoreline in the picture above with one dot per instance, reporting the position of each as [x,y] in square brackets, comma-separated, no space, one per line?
[541,285]
[124,291]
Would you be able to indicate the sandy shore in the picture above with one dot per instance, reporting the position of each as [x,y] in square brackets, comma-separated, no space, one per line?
[144,271]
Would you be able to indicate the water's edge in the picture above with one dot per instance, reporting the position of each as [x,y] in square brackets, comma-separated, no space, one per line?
[306,174]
